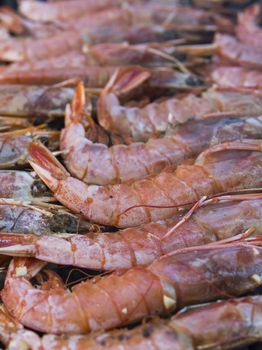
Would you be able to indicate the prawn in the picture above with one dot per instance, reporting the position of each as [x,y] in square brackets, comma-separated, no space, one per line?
[192,329]
[209,221]
[154,119]
[229,166]
[97,163]
[185,277]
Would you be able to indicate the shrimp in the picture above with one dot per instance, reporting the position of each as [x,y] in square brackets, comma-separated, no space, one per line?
[237,77]
[13,145]
[224,167]
[154,119]
[244,54]
[21,217]
[32,101]
[63,10]
[185,277]
[22,185]
[215,219]
[121,163]
[191,329]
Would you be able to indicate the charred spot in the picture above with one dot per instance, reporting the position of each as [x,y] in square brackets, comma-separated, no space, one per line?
[111,196]
[39,189]
[194,80]
[63,223]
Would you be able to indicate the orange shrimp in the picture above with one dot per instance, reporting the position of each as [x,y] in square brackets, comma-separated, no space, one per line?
[121,163]
[237,77]
[185,277]
[244,54]
[208,221]
[156,197]
[155,118]
[199,327]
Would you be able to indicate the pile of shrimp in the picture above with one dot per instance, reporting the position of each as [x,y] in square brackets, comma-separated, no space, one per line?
[130,175]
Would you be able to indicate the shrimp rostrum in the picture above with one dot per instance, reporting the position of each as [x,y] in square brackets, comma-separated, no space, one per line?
[96,163]
[208,221]
[216,170]
[189,276]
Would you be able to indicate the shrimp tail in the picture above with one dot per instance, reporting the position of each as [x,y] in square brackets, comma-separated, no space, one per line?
[125,80]
[46,165]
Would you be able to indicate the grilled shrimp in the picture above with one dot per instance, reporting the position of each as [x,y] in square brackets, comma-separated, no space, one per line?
[121,163]
[154,119]
[13,145]
[23,217]
[185,277]
[237,77]
[215,219]
[22,186]
[244,54]
[156,197]
[32,101]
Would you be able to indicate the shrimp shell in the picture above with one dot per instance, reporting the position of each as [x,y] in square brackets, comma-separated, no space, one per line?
[221,218]
[122,163]
[190,276]
[155,118]
[156,197]
[201,326]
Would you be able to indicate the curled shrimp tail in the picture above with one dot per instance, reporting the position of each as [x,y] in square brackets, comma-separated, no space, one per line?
[125,80]
[46,165]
